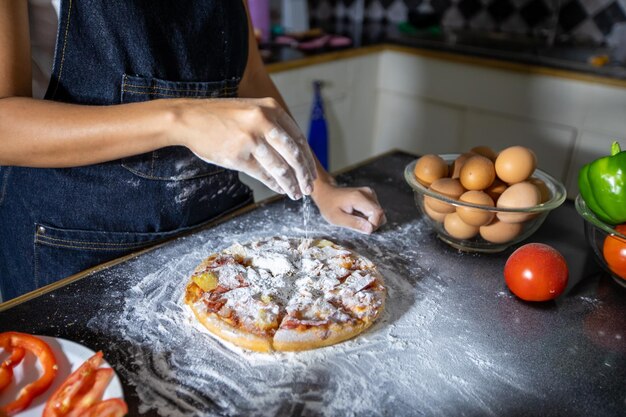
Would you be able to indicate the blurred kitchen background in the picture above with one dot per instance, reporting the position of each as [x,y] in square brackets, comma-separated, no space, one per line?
[436,76]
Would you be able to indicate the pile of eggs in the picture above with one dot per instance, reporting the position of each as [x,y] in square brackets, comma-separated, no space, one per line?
[482,177]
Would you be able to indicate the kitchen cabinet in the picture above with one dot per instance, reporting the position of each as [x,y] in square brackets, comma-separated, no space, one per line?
[349,99]
[551,141]
[559,118]
[391,99]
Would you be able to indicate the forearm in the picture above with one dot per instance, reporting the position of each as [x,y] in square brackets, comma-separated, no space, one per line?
[41,133]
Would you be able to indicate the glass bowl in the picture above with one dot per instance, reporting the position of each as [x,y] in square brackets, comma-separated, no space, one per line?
[596,232]
[509,235]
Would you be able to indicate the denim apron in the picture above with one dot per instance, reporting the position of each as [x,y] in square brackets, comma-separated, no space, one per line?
[57,222]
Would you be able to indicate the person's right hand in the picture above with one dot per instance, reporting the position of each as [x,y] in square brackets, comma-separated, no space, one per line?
[255,136]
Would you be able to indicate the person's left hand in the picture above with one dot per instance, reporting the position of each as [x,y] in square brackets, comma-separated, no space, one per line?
[355,208]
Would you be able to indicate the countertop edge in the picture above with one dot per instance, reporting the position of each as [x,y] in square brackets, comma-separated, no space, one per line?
[446,56]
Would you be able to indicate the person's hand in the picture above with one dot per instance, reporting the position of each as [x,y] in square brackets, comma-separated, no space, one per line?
[355,208]
[255,136]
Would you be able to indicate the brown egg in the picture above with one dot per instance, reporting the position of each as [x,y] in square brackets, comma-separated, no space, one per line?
[485,151]
[430,168]
[473,216]
[477,173]
[515,164]
[520,195]
[500,232]
[450,188]
[435,215]
[543,188]
[496,189]
[457,228]
[458,164]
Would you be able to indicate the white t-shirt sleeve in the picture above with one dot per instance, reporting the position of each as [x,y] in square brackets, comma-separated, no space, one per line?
[43,16]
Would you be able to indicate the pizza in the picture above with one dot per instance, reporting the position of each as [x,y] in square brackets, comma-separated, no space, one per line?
[286,294]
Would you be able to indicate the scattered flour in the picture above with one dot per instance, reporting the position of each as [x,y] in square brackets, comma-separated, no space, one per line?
[415,359]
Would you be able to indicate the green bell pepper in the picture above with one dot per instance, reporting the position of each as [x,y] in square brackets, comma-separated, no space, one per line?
[602,184]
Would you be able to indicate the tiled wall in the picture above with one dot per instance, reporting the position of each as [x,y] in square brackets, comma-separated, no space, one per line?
[589,21]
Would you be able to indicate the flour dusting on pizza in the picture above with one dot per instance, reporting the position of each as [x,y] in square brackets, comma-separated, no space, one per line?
[286,294]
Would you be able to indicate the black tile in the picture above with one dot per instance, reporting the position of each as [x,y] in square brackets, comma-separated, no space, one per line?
[606,18]
[571,15]
[440,6]
[412,4]
[469,8]
[500,10]
[535,12]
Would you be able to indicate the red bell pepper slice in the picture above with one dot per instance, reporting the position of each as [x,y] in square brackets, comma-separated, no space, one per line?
[6,369]
[13,340]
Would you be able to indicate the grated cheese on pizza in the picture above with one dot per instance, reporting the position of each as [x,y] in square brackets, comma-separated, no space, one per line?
[313,291]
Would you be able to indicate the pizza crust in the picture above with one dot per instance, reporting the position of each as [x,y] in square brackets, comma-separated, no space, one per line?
[230,333]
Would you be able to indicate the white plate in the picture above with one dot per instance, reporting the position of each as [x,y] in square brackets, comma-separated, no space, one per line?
[69,355]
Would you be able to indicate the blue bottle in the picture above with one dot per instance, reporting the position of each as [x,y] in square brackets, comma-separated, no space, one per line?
[318,130]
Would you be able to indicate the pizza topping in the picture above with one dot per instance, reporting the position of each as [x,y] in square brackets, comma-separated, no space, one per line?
[323,243]
[276,263]
[307,308]
[207,281]
[294,323]
[358,281]
[225,311]
[311,265]
[262,282]
[214,305]
[359,304]
[291,283]
[230,275]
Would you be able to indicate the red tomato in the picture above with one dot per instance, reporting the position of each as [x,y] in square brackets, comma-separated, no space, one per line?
[536,272]
[614,252]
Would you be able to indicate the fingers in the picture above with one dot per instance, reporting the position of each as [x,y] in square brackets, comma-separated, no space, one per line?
[255,170]
[294,155]
[368,205]
[283,151]
[276,167]
[291,127]
[355,208]
[352,221]
[267,144]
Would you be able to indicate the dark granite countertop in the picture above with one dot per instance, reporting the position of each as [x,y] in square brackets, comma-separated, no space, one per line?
[516,49]
[452,341]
